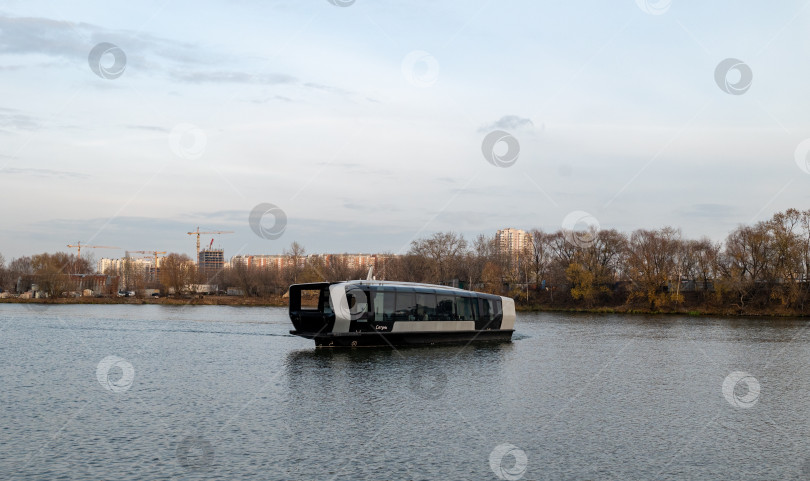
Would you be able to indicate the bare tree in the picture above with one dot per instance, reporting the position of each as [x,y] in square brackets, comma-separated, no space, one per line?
[51,271]
[244,277]
[336,267]
[652,263]
[270,281]
[804,241]
[541,254]
[472,263]
[595,266]
[177,272]
[5,275]
[699,262]
[443,250]
[745,260]
[409,268]
[314,270]
[492,278]
[787,257]
[21,272]
[296,259]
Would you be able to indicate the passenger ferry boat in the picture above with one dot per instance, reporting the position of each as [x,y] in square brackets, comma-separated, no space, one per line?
[386,313]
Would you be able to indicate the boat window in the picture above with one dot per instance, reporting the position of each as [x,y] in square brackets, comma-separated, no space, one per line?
[390,307]
[405,307]
[324,304]
[311,299]
[445,307]
[485,311]
[383,305]
[491,309]
[497,308]
[425,306]
[464,309]
[379,303]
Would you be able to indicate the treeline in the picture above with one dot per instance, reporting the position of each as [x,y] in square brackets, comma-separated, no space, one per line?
[760,268]
[48,271]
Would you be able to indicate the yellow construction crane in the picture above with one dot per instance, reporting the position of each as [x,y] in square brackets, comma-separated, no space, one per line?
[154,253]
[79,246]
[198,232]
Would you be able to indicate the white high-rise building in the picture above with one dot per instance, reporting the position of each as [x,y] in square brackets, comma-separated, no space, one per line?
[118,264]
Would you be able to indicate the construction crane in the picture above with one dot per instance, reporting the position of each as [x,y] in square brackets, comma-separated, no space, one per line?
[154,253]
[198,232]
[79,246]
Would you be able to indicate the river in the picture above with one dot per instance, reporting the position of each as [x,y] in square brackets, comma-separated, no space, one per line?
[96,392]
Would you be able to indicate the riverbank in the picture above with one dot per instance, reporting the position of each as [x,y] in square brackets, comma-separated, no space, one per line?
[691,311]
[169,301]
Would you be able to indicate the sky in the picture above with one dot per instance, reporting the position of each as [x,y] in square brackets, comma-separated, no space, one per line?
[360,125]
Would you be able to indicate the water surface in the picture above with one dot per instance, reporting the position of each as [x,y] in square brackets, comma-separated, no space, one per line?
[208,392]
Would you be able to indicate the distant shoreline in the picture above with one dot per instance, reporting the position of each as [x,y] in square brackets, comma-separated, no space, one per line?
[279,302]
[694,312]
[167,301]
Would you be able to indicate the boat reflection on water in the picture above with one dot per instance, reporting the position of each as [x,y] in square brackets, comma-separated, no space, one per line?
[424,372]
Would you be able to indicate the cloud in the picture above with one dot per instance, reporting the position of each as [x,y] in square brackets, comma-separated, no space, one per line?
[23,35]
[209,219]
[712,211]
[71,40]
[151,128]
[327,88]
[281,98]
[509,123]
[182,62]
[43,173]
[12,118]
[224,76]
